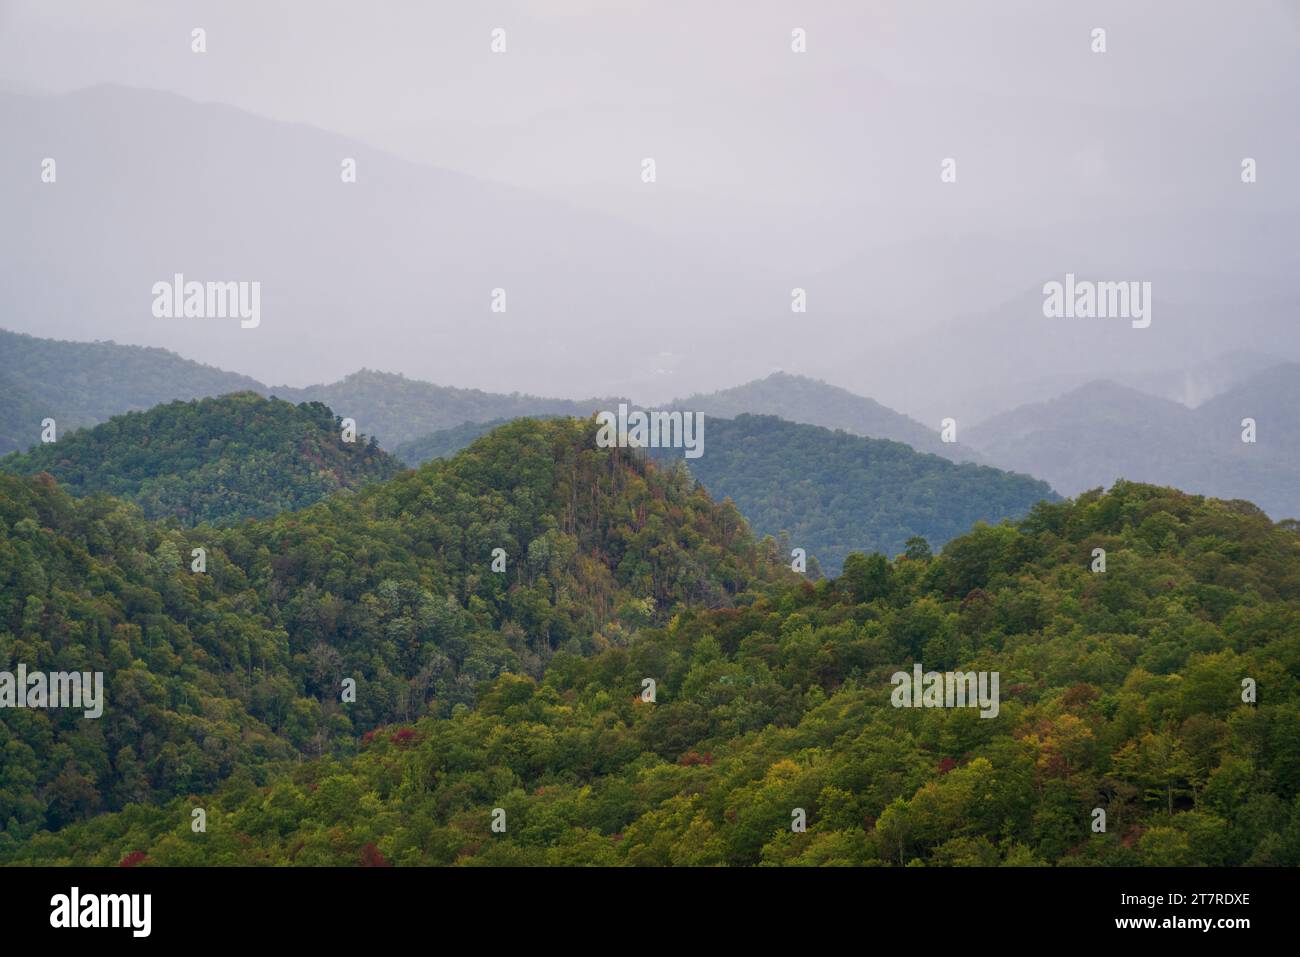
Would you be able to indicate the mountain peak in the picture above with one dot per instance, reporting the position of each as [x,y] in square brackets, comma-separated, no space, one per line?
[800,398]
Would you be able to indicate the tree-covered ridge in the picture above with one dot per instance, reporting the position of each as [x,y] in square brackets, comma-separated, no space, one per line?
[830,493]
[398,410]
[836,493]
[242,665]
[1121,690]
[24,414]
[212,460]
[80,384]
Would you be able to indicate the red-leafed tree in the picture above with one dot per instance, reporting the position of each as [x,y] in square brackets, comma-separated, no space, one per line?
[371,857]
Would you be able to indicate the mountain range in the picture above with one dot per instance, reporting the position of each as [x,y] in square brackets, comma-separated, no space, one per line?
[1103,431]
[1086,437]
[399,410]
[86,383]
[940,576]
[242,455]
[810,401]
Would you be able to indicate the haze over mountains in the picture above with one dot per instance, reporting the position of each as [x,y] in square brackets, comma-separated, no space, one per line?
[924,296]
[983,360]
[801,399]
[81,384]
[921,294]
[398,410]
[1103,431]
[1089,437]
[395,271]
[241,455]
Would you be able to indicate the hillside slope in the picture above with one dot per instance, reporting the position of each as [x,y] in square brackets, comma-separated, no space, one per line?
[836,493]
[1119,691]
[832,492]
[243,665]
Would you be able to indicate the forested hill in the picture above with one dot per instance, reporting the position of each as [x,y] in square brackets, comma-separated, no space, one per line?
[1121,691]
[212,460]
[24,414]
[832,493]
[79,384]
[222,671]
[836,493]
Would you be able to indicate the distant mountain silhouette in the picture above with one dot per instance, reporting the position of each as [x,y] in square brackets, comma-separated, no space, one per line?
[396,409]
[396,267]
[80,384]
[798,398]
[1102,431]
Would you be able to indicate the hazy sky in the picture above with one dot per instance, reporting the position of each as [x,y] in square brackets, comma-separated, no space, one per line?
[412,76]
[776,170]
